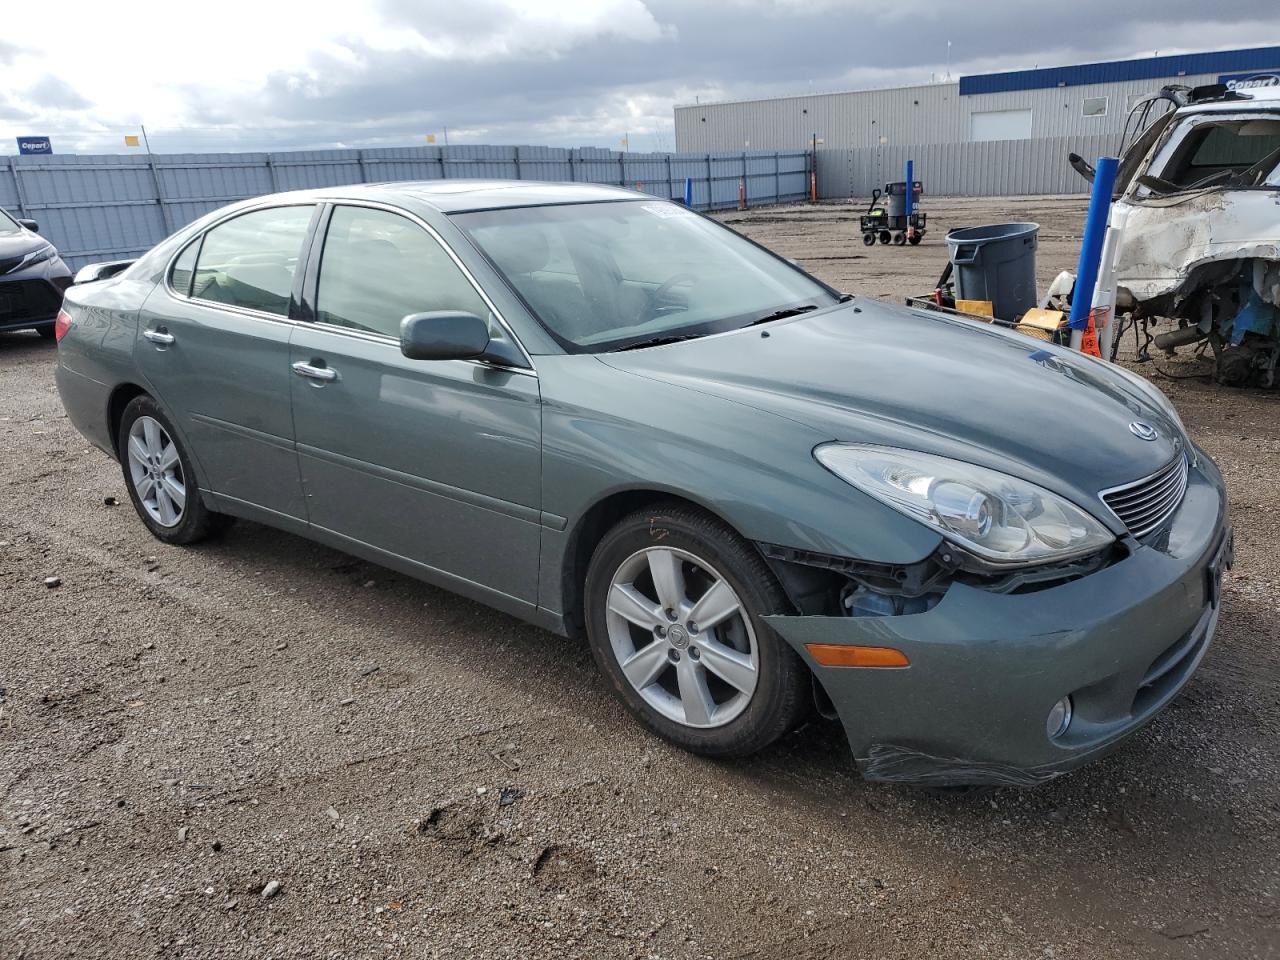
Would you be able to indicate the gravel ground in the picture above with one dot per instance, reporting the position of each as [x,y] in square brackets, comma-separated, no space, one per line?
[263,748]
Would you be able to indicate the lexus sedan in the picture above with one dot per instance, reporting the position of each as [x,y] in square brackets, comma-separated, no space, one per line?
[32,278]
[755,497]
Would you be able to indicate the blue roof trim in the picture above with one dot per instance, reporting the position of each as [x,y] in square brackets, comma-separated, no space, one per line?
[1148,68]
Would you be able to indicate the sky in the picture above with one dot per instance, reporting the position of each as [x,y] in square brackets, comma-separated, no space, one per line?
[279,74]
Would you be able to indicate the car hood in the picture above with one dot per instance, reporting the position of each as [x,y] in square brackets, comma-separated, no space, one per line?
[871,372]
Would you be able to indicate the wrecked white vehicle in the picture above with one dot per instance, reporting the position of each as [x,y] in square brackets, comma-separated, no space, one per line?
[1196,227]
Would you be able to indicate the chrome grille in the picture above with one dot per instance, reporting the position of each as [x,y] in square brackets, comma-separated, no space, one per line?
[1144,505]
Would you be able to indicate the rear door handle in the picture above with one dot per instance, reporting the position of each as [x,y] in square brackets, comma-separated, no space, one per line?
[312,372]
[159,336]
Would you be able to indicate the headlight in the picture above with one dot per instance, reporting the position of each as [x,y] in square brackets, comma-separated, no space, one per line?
[998,517]
[47,252]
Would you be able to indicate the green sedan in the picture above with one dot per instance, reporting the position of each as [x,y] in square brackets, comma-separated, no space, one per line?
[755,497]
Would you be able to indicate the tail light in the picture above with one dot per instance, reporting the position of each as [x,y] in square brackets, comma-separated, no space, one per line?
[62,324]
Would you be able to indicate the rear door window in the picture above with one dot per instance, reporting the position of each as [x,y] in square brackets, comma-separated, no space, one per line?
[250,261]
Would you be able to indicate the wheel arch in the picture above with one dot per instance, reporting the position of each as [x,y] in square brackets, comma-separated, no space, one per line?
[590,528]
[121,396]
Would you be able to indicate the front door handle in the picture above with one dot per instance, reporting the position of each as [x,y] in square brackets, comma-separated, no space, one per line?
[159,336]
[312,372]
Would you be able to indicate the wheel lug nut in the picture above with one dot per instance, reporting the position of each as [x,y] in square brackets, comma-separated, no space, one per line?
[671,615]
[693,627]
[694,654]
[660,630]
[673,655]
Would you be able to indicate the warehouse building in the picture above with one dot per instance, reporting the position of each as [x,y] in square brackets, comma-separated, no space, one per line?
[987,134]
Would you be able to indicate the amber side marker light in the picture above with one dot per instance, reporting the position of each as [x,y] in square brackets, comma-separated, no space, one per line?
[843,655]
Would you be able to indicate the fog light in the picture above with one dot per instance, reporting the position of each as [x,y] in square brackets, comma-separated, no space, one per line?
[1055,725]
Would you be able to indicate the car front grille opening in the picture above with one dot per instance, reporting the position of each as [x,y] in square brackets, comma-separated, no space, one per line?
[1145,505]
[28,298]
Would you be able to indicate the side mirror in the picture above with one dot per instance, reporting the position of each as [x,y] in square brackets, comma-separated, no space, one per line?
[30,225]
[443,335]
[1081,166]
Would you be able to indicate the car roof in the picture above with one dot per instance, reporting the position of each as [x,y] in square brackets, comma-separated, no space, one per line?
[1262,99]
[455,196]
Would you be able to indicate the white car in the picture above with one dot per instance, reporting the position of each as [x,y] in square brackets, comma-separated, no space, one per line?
[1196,225]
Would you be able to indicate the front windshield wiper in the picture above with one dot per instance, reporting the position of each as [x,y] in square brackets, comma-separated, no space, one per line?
[658,341]
[783,314]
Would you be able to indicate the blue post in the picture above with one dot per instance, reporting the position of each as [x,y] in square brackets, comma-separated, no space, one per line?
[911,194]
[1095,231]
[688,191]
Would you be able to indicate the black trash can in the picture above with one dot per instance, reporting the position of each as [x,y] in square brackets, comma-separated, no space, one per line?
[996,263]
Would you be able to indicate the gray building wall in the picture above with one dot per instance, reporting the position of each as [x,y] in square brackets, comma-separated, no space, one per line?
[868,135]
[912,116]
[114,206]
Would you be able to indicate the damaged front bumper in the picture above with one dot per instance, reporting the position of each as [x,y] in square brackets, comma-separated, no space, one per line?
[986,668]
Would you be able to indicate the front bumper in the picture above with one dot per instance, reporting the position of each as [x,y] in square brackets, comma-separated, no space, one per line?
[986,668]
[31,297]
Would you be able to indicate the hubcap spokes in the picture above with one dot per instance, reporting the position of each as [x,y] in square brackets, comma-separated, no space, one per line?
[156,471]
[682,637]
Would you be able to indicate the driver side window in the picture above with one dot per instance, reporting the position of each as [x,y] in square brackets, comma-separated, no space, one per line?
[378,267]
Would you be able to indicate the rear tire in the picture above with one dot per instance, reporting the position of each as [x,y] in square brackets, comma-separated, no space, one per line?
[159,477]
[47,331]
[726,687]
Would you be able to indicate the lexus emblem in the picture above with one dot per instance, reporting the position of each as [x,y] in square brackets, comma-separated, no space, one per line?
[1143,431]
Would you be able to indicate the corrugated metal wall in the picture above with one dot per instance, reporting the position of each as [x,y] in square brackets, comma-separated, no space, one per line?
[867,134]
[924,114]
[116,206]
[996,168]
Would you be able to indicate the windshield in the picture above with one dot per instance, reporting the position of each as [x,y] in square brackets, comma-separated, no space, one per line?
[1211,151]
[8,225]
[605,276]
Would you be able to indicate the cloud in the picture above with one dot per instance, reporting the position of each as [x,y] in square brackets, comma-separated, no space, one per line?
[53,93]
[539,71]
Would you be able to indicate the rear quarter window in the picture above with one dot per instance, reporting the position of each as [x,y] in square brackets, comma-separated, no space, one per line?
[184,268]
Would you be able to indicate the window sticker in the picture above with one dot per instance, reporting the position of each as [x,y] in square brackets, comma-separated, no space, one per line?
[664,210]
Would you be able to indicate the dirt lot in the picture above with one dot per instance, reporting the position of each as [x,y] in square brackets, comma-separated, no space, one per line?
[425,778]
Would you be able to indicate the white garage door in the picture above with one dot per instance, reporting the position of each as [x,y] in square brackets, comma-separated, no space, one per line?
[1000,125]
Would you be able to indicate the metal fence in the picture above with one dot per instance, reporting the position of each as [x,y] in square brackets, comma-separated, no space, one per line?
[116,206]
[991,169]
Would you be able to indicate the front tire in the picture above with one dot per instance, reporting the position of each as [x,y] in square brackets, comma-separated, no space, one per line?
[159,477]
[675,603]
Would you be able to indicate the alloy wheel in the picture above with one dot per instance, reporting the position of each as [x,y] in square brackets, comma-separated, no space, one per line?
[682,637]
[156,471]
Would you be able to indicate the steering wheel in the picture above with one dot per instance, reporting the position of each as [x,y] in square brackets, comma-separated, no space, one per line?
[656,298]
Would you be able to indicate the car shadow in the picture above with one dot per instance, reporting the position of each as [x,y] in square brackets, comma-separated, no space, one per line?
[18,342]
